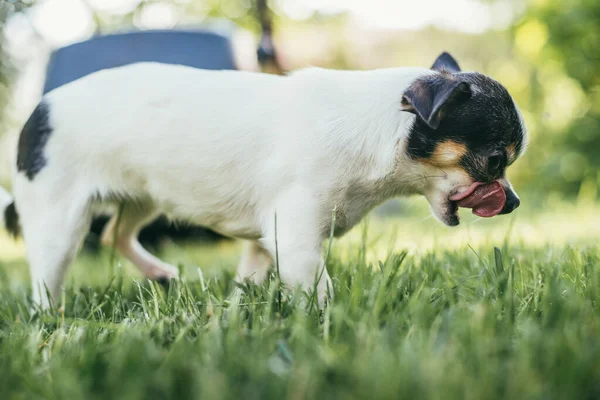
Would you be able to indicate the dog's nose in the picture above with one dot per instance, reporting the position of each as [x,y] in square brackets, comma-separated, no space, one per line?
[512,202]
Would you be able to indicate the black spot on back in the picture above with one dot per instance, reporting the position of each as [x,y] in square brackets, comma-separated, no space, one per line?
[35,134]
[11,220]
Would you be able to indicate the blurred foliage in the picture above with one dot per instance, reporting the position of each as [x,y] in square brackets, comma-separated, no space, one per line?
[560,43]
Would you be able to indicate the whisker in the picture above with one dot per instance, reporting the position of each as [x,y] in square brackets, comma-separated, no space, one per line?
[426,218]
[425,177]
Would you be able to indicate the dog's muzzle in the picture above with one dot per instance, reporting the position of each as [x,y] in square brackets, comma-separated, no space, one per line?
[512,201]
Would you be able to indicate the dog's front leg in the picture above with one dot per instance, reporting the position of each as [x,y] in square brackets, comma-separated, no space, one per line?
[293,238]
[254,264]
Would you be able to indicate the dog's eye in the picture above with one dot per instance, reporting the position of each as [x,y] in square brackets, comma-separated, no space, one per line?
[495,164]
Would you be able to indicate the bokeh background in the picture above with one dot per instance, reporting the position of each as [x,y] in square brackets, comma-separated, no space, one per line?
[546,52]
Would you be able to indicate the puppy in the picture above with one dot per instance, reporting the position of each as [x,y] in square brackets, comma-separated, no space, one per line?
[264,158]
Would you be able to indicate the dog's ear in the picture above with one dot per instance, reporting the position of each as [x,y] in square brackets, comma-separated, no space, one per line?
[445,62]
[431,96]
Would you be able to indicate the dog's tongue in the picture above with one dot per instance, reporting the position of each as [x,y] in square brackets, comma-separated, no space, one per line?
[486,200]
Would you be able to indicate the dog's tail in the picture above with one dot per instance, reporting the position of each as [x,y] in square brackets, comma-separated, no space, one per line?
[9,218]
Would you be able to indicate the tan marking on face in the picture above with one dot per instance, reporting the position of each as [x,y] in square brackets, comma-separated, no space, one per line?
[511,152]
[447,154]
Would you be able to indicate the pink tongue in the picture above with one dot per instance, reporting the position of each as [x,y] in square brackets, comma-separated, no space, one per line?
[486,200]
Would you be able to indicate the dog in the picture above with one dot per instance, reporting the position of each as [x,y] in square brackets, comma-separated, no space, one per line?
[264,158]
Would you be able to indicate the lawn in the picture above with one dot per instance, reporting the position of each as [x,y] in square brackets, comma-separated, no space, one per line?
[502,308]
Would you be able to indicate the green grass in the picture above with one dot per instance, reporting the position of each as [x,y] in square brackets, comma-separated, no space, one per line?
[440,322]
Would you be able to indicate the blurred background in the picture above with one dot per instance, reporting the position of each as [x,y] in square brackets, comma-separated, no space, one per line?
[546,52]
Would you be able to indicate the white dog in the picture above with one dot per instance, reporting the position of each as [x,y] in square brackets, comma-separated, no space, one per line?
[258,157]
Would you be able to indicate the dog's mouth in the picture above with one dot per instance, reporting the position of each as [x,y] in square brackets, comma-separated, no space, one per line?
[485,200]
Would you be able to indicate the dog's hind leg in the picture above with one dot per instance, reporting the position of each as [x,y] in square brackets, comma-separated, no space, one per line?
[125,230]
[53,226]
[255,263]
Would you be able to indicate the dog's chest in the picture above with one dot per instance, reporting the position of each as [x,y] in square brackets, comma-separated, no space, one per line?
[352,203]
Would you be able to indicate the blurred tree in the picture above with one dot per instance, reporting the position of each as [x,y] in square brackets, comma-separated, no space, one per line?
[561,42]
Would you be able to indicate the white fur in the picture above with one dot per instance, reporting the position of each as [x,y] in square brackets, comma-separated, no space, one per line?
[232,151]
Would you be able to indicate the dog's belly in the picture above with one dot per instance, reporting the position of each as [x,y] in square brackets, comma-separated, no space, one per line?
[236,229]
[238,223]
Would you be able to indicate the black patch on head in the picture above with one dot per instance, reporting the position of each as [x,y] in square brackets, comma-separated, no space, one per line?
[445,62]
[11,220]
[35,134]
[486,123]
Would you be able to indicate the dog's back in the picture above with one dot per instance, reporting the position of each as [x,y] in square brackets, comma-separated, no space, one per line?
[152,129]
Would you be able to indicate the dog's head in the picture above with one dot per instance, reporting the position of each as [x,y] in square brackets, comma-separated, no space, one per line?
[468,130]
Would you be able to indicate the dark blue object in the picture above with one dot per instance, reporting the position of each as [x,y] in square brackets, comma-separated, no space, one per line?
[194,48]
